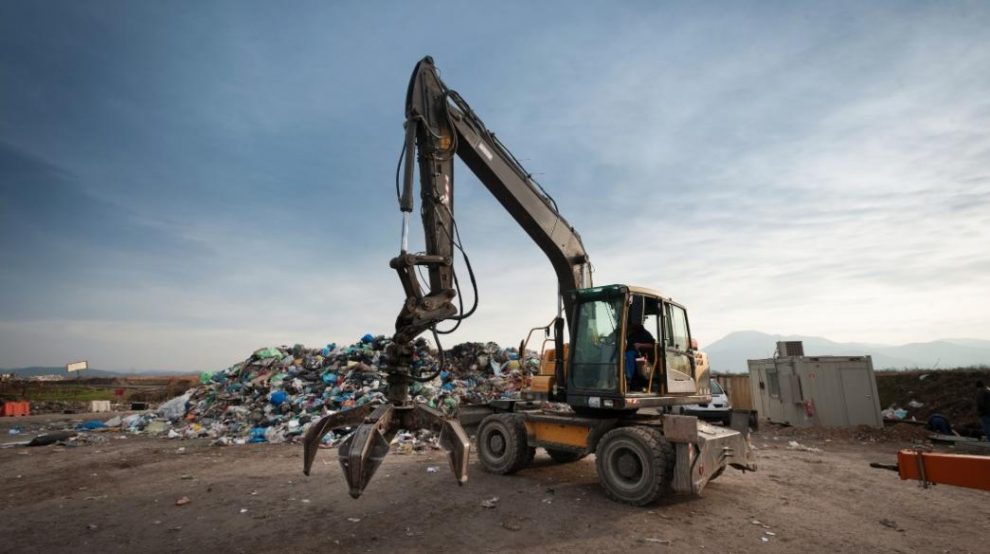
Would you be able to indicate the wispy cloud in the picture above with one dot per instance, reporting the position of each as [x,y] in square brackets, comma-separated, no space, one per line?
[180,186]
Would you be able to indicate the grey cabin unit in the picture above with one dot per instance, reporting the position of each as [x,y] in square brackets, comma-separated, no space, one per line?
[815,391]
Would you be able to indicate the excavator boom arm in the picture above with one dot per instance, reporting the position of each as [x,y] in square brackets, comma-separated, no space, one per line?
[442,125]
[439,126]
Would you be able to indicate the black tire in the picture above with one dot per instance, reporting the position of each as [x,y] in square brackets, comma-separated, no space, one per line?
[635,465]
[502,446]
[564,456]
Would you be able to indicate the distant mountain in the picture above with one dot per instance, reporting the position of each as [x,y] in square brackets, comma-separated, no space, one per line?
[26,372]
[730,353]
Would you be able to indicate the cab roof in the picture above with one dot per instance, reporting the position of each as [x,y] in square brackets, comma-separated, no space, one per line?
[616,290]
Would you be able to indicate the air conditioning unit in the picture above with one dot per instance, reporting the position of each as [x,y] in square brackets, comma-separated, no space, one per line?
[789,348]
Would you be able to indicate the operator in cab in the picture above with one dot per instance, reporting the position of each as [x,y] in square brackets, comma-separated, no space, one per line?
[638,341]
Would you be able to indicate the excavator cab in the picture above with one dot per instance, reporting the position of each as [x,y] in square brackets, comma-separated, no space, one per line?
[630,348]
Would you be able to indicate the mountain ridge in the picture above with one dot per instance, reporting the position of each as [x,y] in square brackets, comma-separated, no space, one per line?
[38,371]
[729,354]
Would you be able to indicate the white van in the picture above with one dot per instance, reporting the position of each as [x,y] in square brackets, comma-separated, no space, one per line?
[719,409]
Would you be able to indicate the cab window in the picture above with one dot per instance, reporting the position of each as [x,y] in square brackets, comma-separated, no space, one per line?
[594,363]
[677,329]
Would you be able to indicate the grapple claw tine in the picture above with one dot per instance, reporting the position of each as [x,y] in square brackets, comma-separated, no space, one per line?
[362,453]
[455,441]
[316,432]
[365,450]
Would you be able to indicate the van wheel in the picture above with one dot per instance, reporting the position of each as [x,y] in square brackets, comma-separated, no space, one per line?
[635,465]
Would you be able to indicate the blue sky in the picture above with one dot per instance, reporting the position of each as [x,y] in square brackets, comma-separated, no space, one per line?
[183,182]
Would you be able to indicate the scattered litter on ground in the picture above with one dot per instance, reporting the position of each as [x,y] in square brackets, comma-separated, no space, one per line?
[900,432]
[511,524]
[51,438]
[489,502]
[795,445]
[183,501]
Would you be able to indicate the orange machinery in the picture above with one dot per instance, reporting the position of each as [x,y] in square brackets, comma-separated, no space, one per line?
[960,470]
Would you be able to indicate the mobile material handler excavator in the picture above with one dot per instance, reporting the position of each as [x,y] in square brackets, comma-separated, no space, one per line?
[604,388]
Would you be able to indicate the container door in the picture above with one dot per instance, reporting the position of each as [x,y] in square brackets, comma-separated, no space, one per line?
[857,389]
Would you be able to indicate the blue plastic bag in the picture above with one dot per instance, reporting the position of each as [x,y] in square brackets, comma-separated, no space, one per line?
[91,425]
[278,397]
[257,435]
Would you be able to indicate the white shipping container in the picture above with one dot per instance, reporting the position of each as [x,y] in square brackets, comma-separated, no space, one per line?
[816,391]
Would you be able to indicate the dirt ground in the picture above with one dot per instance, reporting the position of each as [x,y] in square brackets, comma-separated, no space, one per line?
[120,496]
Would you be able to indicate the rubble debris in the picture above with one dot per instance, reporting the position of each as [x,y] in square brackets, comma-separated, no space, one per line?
[511,524]
[862,434]
[91,425]
[183,501]
[278,392]
[51,438]
[275,394]
[948,392]
[889,523]
[795,445]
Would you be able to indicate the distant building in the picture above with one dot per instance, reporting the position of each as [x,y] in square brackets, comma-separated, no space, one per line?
[47,378]
[815,391]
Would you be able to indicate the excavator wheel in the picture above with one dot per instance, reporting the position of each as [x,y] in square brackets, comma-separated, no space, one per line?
[502,446]
[564,456]
[635,464]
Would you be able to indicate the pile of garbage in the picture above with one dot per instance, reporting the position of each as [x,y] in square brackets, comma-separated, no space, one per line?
[278,392]
[918,395]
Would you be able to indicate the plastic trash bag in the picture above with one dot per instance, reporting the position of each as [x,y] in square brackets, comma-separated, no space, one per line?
[175,408]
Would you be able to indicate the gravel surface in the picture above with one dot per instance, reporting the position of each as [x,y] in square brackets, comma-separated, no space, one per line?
[146,495]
